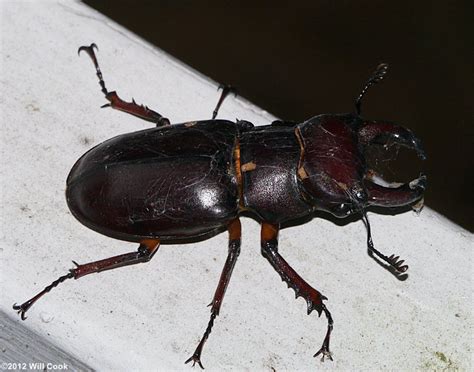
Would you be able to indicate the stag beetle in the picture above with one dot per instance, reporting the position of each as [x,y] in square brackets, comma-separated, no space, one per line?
[189,181]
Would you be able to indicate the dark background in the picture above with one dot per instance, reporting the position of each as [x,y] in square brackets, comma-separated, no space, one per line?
[313,57]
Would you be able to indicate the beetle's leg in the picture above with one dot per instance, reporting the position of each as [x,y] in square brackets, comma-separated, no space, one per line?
[393,261]
[234,250]
[314,299]
[145,252]
[141,111]
[226,89]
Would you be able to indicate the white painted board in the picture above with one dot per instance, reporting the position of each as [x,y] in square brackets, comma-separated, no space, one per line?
[151,317]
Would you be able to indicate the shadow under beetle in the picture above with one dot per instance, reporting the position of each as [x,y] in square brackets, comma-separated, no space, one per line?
[188,181]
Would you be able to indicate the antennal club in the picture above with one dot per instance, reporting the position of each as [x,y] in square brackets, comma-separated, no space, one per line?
[376,77]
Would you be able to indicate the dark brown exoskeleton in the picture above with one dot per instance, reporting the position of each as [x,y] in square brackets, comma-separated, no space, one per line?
[191,180]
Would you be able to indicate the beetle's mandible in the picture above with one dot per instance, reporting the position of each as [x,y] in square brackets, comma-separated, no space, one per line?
[192,180]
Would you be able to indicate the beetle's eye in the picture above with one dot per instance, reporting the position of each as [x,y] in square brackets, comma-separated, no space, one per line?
[359,194]
[342,210]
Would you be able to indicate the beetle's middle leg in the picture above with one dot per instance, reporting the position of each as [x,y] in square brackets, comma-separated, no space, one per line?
[141,111]
[234,229]
[145,252]
[226,89]
[314,299]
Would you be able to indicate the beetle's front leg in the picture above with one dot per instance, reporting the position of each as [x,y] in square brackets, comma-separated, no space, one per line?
[314,299]
[234,229]
[141,111]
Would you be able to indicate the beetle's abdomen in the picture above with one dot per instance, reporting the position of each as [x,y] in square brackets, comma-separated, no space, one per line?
[174,183]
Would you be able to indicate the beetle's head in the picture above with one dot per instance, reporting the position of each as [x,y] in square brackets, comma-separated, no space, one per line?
[334,175]
[333,171]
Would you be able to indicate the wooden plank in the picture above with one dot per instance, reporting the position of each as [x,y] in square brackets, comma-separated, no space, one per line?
[23,349]
[150,317]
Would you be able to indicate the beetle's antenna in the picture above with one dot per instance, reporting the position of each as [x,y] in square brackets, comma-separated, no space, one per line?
[376,77]
[393,260]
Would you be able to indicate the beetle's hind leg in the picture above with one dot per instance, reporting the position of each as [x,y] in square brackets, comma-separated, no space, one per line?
[145,252]
[314,299]
[234,229]
[141,111]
